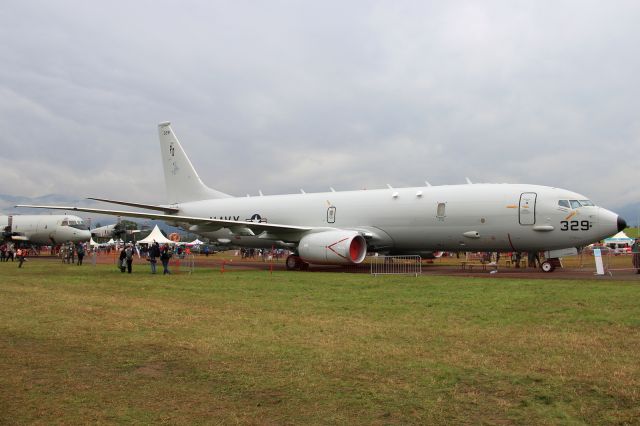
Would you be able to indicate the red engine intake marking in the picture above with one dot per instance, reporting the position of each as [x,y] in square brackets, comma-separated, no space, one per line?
[354,249]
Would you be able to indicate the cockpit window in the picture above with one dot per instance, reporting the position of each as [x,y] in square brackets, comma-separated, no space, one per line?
[587,203]
[77,224]
[564,203]
[575,204]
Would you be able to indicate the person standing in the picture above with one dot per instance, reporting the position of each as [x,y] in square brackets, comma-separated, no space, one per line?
[129,257]
[9,254]
[154,254]
[72,253]
[122,260]
[165,255]
[635,252]
[80,254]
[21,254]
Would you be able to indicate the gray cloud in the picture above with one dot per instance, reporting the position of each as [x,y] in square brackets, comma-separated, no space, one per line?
[283,95]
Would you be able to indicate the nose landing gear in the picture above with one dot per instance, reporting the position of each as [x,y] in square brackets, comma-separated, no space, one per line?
[550,265]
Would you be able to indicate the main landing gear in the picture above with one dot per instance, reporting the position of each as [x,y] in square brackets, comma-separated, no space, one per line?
[550,265]
[294,262]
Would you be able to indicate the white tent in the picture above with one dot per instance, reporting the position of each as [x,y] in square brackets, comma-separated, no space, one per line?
[195,242]
[619,238]
[156,236]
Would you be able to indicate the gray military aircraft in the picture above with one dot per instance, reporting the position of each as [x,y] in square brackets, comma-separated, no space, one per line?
[341,227]
[44,229]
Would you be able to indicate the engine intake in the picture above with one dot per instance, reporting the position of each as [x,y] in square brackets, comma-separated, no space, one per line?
[333,248]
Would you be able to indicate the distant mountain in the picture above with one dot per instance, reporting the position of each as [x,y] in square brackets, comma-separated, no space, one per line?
[7,202]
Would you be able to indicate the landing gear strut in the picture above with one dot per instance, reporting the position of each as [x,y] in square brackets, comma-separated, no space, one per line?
[294,262]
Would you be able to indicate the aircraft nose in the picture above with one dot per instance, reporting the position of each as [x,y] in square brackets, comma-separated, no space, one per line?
[622,224]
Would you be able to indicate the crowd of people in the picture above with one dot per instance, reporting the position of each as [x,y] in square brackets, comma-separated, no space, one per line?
[7,252]
[151,253]
[264,254]
[71,253]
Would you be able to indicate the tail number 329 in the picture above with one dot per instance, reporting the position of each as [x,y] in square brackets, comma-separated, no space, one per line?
[575,225]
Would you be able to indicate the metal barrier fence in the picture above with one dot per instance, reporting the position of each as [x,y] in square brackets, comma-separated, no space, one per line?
[612,262]
[617,262]
[396,265]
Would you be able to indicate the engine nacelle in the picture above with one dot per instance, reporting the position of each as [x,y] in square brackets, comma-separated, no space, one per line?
[333,248]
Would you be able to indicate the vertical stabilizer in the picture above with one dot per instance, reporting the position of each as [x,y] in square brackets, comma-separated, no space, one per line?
[182,182]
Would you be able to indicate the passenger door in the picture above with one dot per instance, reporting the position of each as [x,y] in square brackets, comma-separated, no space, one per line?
[527,209]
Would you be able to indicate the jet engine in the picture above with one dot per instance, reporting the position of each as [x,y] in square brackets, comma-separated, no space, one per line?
[333,248]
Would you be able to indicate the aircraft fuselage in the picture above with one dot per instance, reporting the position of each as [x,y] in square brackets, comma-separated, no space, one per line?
[477,217]
[47,229]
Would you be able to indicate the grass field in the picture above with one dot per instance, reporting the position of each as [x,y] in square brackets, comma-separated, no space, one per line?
[84,344]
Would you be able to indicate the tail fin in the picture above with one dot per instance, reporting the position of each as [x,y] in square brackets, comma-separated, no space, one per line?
[182,181]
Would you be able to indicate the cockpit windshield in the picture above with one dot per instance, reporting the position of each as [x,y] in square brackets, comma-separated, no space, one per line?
[575,204]
[73,223]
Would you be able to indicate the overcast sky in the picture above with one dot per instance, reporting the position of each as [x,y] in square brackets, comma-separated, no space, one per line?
[279,96]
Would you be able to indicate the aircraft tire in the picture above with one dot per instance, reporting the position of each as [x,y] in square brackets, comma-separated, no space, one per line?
[547,266]
[292,263]
[304,266]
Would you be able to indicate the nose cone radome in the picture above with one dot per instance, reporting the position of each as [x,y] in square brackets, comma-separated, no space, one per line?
[609,223]
[622,224]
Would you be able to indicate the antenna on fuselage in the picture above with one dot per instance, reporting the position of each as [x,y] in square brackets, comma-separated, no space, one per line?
[427,183]
[469,181]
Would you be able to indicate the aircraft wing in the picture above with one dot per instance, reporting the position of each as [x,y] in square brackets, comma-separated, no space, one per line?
[198,224]
[165,209]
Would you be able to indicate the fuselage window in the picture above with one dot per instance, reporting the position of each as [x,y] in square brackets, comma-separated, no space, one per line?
[440,212]
[575,204]
[564,203]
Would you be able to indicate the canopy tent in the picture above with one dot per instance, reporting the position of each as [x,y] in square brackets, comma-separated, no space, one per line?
[195,242]
[93,243]
[156,236]
[619,238]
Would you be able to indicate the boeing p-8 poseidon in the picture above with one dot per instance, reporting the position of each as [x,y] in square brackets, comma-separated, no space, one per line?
[341,227]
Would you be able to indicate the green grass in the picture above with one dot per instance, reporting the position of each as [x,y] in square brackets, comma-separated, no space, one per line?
[632,232]
[84,344]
